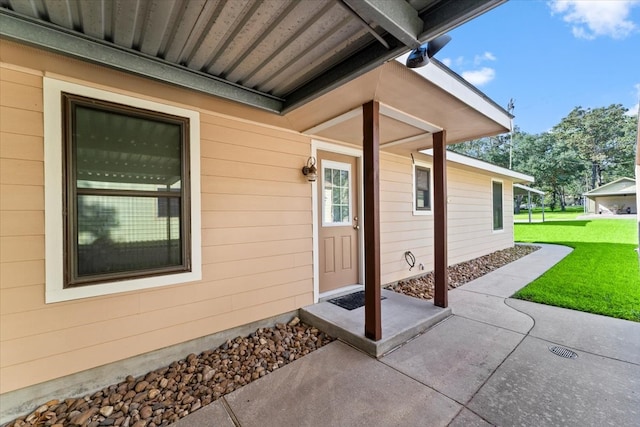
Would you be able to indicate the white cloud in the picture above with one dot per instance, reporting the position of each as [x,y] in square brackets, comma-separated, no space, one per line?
[487,56]
[479,77]
[462,62]
[634,110]
[591,19]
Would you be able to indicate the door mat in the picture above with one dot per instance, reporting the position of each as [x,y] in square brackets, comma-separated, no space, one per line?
[351,301]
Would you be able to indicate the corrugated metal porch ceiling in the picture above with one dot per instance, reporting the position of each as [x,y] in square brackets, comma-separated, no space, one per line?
[281,52]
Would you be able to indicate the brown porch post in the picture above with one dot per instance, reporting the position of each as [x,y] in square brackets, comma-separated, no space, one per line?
[440,218]
[371,149]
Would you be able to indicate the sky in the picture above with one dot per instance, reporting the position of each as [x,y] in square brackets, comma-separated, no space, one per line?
[551,56]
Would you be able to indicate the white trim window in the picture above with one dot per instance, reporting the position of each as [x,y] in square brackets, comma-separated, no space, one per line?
[497,204]
[337,194]
[422,189]
[122,206]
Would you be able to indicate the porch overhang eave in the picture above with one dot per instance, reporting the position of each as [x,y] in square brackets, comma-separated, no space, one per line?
[412,108]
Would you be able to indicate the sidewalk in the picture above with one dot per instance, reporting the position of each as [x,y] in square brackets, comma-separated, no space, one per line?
[489,363]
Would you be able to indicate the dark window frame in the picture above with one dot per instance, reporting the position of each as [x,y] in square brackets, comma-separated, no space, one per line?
[71,192]
[417,189]
[497,211]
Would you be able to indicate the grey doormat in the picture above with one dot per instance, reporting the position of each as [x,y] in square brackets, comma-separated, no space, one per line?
[351,301]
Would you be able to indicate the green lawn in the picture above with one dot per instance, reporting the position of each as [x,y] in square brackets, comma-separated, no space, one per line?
[600,276]
[571,212]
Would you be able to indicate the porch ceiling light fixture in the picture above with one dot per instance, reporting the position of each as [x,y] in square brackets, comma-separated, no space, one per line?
[310,170]
[419,57]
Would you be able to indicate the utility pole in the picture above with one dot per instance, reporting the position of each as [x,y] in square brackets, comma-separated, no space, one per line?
[510,108]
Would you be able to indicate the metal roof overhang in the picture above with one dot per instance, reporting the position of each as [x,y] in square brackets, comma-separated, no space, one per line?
[276,55]
[519,189]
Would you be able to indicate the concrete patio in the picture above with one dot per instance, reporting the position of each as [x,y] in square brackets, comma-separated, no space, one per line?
[487,364]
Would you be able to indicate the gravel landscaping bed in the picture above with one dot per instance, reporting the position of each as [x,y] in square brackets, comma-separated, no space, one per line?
[459,274]
[165,395]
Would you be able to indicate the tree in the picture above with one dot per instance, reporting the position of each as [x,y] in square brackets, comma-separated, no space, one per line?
[553,164]
[587,148]
[602,137]
[493,149]
[96,219]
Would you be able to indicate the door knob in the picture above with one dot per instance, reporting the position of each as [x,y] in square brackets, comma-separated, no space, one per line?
[355,223]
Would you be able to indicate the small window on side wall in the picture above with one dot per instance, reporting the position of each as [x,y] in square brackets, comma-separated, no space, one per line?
[498,221]
[422,187]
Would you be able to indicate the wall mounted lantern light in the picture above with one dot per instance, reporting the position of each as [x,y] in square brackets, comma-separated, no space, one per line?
[310,170]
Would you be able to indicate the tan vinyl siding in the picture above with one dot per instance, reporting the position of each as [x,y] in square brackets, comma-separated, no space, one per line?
[256,238]
[19,274]
[400,230]
[469,218]
[22,198]
[21,223]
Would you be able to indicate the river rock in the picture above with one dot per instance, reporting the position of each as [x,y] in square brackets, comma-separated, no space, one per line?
[423,286]
[82,418]
[106,410]
[146,412]
[141,386]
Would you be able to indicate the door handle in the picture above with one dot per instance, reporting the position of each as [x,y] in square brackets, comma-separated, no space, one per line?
[355,223]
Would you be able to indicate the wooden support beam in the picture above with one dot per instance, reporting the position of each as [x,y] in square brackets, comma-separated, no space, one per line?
[371,173]
[440,218]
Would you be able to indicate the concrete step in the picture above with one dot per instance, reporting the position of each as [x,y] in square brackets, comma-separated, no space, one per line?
[403,318]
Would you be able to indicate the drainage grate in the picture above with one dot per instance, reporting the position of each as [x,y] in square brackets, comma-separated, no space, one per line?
[351,301]
[563,352]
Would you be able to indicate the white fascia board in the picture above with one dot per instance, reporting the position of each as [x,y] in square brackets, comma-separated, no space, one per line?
[626,192]
[454,85]
[479,164]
